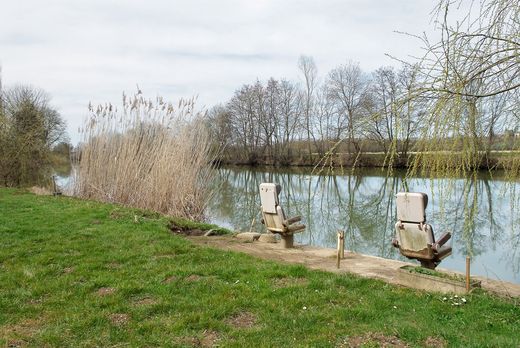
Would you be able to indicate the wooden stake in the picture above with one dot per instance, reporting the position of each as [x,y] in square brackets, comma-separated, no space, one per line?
[338,254]
[468,261]
[342,237]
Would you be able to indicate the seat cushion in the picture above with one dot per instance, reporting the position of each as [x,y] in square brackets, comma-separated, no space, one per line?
[414,241]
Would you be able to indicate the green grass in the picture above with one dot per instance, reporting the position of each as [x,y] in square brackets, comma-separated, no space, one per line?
[58,252]
[434,273]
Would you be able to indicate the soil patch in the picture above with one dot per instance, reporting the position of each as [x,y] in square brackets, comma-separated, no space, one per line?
[435,342]
[119,319]
[193,278]
[185,231]
[370,339]
[242,320]
[105,291]
[289,281]
[164,256]
[16,343]
[209,339]
[113,265]
[145,301]
[68,270]
[169,280]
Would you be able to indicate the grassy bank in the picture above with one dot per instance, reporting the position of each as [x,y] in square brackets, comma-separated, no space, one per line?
[80,273]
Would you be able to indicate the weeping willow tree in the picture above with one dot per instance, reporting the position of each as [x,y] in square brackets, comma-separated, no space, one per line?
[471,83]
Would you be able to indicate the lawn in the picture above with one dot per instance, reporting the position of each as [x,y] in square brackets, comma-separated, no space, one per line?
[80,273]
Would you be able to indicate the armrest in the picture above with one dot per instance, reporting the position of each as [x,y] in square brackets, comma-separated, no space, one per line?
[444,238]
[296,228]
[292,220]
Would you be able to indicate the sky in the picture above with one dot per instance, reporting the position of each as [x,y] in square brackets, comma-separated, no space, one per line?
[82,51]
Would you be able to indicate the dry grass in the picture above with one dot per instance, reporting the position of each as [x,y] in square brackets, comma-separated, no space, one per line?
[150,154]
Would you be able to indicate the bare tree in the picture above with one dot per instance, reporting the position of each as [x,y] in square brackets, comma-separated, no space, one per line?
[347,88]
[308,68]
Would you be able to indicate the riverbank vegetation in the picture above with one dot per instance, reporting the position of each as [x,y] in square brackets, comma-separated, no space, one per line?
[148,154]
[81,273]
[459,99]
[30,129]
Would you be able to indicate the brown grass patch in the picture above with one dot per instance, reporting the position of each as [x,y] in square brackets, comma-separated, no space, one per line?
[105,291]
[370,339]
[17,333]
[119,319]
[68,270]
[242,320]
[40,191]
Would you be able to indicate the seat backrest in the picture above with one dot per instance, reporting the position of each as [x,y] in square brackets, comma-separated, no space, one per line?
[271,210]
[269,197]
[411,206]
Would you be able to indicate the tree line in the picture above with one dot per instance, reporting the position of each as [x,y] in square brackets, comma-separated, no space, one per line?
[350,111]
[457,106]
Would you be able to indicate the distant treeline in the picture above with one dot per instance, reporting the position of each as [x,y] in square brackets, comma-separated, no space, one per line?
[347,117]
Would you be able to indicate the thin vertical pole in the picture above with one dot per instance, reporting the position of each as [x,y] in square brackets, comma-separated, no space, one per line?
[338,253]
[468,261]
[342,244]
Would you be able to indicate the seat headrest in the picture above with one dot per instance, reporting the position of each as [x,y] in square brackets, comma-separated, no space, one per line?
[411,206]
[269,197]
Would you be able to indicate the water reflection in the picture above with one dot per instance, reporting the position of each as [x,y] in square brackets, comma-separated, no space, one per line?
[479,210]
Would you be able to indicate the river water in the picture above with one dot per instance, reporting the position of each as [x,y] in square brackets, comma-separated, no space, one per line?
[481,212]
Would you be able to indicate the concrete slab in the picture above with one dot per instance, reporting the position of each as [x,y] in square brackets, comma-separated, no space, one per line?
[325,259]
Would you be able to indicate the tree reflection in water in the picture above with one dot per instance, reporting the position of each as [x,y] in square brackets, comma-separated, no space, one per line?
[479,210]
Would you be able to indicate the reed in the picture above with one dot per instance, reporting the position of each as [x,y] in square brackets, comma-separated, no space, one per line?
[148,154]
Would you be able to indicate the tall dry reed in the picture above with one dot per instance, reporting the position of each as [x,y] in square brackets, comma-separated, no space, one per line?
[149,154]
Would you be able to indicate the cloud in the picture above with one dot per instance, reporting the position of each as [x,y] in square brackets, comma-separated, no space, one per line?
[81,51]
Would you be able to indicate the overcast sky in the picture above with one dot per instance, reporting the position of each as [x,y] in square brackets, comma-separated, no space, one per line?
[80,51]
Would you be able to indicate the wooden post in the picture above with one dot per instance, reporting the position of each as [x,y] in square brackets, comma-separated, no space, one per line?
[338,253]
[468,261]
[342,250]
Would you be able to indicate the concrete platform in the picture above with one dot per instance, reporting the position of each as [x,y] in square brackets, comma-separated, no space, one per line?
[325,259]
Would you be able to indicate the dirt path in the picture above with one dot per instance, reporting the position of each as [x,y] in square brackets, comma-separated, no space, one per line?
[325,259]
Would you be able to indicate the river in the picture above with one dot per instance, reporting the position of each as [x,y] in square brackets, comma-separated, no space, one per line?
[481,212]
